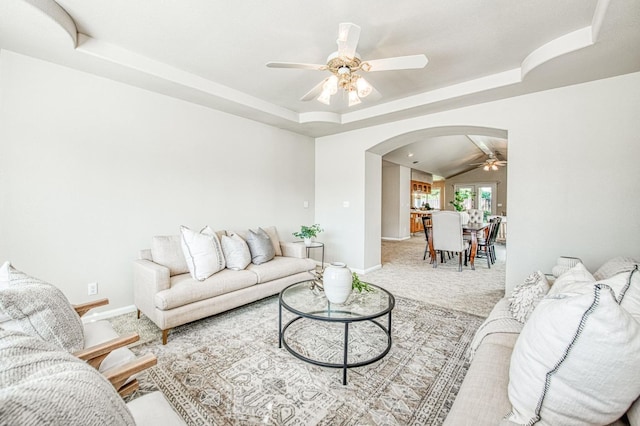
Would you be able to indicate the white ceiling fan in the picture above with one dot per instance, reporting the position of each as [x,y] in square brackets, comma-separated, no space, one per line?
[491,163]
[343,65]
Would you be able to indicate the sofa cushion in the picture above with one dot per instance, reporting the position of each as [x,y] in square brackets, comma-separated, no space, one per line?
[236,252]
[272,232]
[281,267]
[500,323]
[482,399]
[575,362]
[185,290]
[40,309]
[615,266]
[203,252]
[260,246]
[526,296]
[167,251]
[40,384]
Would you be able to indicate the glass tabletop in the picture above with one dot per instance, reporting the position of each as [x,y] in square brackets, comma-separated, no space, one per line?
[307,300]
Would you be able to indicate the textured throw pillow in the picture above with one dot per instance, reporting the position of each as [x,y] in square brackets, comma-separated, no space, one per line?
[40,384]
[202,252]
[40,309]
[525,297]
[260,246]
[167,251]
[576,362]
[576,280]
[615,266]
[236,252]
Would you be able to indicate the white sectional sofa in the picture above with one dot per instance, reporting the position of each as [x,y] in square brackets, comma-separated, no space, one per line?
[166,292]
[491,385]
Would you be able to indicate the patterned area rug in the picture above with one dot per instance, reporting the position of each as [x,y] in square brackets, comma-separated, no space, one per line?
[228,369]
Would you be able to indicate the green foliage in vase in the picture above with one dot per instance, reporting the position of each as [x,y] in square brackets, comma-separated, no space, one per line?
[359,285]
[308,231]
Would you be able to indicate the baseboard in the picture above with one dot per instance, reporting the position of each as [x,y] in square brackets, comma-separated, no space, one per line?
[396,239]
[366,271]
[108,314]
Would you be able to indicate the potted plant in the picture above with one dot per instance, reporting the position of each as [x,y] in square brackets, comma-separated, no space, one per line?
[308,232]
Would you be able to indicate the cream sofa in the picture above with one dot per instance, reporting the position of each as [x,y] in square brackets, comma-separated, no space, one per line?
[483,398]
[166,293]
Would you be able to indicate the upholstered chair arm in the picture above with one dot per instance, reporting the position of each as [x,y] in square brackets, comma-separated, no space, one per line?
[83,308]
[293,250]
[150,275]
[120,376]
[94,355]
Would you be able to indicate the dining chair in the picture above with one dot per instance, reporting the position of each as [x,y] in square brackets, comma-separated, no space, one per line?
[426,224]
[475,215]
[486,246]
[446,233]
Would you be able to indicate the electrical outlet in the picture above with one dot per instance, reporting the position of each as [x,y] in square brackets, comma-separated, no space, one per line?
[92,288]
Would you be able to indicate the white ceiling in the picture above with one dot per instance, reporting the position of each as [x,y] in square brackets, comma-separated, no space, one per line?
[213,53]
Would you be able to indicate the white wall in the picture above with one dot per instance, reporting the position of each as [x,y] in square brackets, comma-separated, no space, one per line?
[567,148]
[91,169]
[395,201]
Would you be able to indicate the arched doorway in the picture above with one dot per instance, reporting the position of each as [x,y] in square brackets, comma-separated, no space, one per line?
[401,211]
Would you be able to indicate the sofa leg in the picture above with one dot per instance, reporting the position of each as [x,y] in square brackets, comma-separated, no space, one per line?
[165,335]
[138,313]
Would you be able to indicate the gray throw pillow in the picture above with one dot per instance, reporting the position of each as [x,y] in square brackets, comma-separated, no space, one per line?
[40,309]
[236,252]
[260,246]
[41,384]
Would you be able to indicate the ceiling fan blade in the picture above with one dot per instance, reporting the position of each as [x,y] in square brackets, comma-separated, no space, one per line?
[315,92]
[348,37]
[397,63]
[296,65]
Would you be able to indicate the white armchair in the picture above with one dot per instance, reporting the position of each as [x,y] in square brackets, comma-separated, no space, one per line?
[39,309]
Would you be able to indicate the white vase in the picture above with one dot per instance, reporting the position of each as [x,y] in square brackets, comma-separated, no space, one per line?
[336,281]
[307,242]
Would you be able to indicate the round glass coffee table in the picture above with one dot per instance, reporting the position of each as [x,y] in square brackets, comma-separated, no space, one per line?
[313,311]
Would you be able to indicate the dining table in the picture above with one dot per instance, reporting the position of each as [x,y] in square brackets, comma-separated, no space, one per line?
[471,229]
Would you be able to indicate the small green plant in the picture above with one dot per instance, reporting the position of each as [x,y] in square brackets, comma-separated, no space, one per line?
[458,199]
[308,231]
[359,285]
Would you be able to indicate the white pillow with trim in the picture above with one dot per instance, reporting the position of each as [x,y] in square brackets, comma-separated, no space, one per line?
[576,362]
[202,251]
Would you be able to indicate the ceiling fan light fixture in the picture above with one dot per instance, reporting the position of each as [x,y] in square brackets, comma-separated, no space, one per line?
[353,98]
[331,85]
[364,88]
[486,168]
[325,97]
[494,167]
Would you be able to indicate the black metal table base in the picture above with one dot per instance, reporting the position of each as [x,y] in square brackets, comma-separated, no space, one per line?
[345,364]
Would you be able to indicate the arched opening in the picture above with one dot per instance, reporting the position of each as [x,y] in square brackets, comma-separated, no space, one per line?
[491,185]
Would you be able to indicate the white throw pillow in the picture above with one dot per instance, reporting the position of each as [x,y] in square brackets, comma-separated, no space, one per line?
[574,281]
[526,296]
[236,252]
[576,362]
[202,251]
